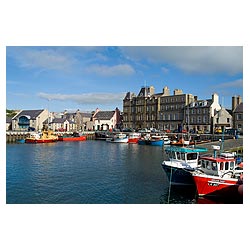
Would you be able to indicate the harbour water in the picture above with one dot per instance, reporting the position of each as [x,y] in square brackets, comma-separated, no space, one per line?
[88,172]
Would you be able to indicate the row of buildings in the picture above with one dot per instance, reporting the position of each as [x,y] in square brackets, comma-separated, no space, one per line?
[164,111]
[148,109]
[26,120]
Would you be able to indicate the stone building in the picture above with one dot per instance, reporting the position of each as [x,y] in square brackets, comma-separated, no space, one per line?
[79,118]
[30,119]
[63,125]
[237,111]
[199,115]
[105,120]
[222,120]
[150,110]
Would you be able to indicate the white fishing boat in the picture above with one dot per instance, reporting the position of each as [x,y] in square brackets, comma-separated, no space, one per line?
[118,138]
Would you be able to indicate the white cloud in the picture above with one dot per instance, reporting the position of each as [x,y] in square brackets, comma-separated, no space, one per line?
[233,84]
[165,70]
[117,70]
[192,59]
[42,58]
[86,98]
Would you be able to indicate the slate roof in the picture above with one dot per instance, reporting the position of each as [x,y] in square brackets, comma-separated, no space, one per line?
[32,113]
[61,120]
[239,108]
[129,96]
[8,119]
[104,115]
[86,115]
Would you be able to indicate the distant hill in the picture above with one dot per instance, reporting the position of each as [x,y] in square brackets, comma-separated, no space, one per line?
[11,112]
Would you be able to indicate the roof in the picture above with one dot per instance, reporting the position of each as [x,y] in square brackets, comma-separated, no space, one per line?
[87,115]
[201,103]
[33,114]
[129,96]
[61,120]
[104,115]
[239,108]
[185,149]
[8,119]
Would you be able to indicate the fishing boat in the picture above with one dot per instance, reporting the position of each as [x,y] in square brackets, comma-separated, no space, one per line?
[217,174]
[72,137]
[134,137]
[46,136]
[153,140]
[180,162]
[20,140]
[118,138]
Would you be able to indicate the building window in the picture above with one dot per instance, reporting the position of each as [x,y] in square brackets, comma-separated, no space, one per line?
[239,117]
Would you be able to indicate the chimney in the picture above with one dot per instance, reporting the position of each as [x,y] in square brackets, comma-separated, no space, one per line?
[215,98]
[166,91]
[151,90]
[236,100]
[178,92]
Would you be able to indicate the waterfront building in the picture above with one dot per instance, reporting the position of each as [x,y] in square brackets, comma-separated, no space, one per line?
[30,119]
[63,125]
[8,123]
[105,120]
[237,111]
[171,115]
[199,115]
[79,118]
[222,120]
[149,110]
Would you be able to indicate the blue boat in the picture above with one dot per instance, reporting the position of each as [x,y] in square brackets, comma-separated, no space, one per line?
[20,140]
[151,140]
[181,161]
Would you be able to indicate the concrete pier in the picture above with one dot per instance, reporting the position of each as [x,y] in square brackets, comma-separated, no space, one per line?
[228,145]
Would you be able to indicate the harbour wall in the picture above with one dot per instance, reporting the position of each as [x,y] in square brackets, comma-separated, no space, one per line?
[14,136]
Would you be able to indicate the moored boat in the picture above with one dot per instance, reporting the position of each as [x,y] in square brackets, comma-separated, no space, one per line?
[118,138]
[134,137]
[153,140]
[72,137]
[179,164]
[46,136]
[217,174]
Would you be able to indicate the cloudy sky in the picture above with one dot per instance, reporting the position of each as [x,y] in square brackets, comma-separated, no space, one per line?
[69,78]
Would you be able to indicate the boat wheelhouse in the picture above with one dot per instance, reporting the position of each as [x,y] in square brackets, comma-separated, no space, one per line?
[216,173]
[180,161]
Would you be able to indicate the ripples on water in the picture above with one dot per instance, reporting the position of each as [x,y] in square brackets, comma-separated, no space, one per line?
[89,172]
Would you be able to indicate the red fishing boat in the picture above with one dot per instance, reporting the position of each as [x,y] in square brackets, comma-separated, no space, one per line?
[217,174]
[134,137]
[72,137]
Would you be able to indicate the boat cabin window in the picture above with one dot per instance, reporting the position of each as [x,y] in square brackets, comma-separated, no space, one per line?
[203,164]
[192,156]
[221,165]
[178,155]
[214,166]
[209,165]
[183,156]
[231,165]
[226,165]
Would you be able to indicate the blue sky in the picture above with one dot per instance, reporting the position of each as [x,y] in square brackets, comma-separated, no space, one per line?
[85,78]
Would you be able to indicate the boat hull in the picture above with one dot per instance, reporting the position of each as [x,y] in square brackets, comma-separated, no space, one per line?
[210,185]
[178,176]
[133,140]
[125,140]
[40,140]
[151,142]
[79,138]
